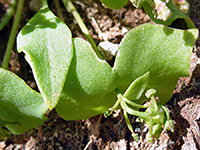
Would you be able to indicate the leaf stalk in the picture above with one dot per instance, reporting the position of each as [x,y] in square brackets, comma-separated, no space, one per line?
[44,3]
[8,14]
[13,35]
[71,9]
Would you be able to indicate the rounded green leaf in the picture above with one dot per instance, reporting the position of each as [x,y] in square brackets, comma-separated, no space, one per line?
[89,87]
[46,41]
[19,103]
[163,51]
[114,4]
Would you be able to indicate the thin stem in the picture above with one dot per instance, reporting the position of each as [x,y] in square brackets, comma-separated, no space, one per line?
[71,9]
[59,10]
[8,14]
[44,3]
[150,137]
[135,136]
[13,35]
[134,104]
[128,121]
[133,112]
[119,96]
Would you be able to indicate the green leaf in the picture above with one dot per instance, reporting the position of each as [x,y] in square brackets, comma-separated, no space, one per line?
[89,87]
[46,41]
[114,4]
[19,103]
[162,51]
[137,87]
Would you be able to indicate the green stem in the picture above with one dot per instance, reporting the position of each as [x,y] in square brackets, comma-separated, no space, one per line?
[134,104]
[71,9]
[8,14]
[135,136]
[128,121]
[44,3]
[133,112]
[13,35]
[150,137]
[119,98]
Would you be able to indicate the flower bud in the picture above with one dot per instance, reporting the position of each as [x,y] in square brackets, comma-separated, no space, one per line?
[169,125]
[183,5]
[163,12]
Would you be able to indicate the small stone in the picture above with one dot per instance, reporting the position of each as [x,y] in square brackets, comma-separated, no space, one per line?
[108,49]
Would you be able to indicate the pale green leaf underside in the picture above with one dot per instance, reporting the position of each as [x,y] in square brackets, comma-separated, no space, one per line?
[162,51]
[89,87]
[20,103]
[46,41]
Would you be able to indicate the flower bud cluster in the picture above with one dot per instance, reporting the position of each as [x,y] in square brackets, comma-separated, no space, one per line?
[183,5]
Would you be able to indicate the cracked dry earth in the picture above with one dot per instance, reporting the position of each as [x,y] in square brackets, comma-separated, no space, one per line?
[110,133]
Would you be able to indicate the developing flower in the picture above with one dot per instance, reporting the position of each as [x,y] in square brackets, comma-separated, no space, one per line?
[163,12]
[183,5]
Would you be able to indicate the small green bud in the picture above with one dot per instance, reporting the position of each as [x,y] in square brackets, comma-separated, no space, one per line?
[150,93]
[169,125]
[163,12]
[183,5]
